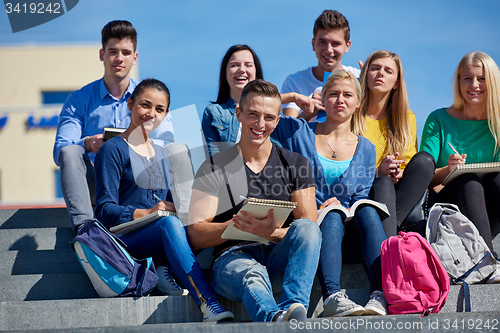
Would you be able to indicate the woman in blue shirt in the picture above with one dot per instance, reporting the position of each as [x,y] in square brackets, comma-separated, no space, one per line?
[344,167]
[130,184]
[221,129]
[240,65]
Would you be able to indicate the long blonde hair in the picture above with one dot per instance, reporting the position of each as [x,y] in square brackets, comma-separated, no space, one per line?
[397,133]
[492,79]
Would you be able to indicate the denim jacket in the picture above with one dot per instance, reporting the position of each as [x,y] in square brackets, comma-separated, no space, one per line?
[354,184]
[220,126]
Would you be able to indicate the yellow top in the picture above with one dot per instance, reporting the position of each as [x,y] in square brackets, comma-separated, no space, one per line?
[375,132]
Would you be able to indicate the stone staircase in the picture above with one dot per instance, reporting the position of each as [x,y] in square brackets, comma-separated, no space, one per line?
[42,286]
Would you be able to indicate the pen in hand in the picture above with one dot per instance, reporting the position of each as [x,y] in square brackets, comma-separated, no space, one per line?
[156,197]
[453,148]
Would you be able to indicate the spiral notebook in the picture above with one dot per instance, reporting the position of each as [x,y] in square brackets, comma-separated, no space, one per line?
[479,169]
[259,208]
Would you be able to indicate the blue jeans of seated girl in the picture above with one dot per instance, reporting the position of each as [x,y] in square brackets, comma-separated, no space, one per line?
[167,238]
[371,234]
[251,273]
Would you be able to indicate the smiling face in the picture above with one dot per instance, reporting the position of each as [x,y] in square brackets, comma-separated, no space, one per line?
[118,58]
[382,75]
[473,84]
[239,71]
[258,116]
[330,46]
[148,110]
[340,100]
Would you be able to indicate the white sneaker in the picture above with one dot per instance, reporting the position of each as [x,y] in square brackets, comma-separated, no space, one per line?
[166,282]
[377,305]
[296,311]
[214,312]
[339,305]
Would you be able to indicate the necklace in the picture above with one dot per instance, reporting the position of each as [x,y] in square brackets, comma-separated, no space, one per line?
[334,155]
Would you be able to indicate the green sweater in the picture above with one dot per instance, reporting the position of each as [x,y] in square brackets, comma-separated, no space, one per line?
[471,137]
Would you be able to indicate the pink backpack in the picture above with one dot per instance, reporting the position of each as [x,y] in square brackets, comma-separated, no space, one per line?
[413,278]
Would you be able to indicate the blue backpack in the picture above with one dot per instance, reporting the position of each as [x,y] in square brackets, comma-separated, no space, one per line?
[110,266]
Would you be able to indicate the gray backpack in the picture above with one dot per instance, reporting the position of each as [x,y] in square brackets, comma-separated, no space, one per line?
[461,249]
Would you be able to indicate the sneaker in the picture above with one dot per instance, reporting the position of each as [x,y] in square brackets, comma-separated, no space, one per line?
[296,311]
[339,305]
[166,282]
[377,305]
[214,312]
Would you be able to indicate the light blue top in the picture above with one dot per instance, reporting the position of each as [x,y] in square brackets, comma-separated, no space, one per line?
[220,126]
[333,169]
[87,111]
[354,184]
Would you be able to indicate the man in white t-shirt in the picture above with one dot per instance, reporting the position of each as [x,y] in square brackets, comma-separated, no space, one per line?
[331,40]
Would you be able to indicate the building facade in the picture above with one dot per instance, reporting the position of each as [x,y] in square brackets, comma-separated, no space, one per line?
[35,82]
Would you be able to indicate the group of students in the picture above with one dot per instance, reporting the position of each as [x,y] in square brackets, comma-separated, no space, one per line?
[366,147]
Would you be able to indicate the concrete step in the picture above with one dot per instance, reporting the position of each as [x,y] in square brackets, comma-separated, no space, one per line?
[34,218]
[99,312]
[39,262]
[35,239]
[412,323]
[51,279]
[36,287]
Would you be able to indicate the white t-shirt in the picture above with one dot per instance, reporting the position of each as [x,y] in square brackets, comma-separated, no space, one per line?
[304,82]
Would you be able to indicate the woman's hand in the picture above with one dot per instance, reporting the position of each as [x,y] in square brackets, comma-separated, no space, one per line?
[454,160]
[331,201]
[390,166]
[396,176]
[162,205]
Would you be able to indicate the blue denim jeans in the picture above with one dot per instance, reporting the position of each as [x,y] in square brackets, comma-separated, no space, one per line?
[251,273]
[77,184]
[167,238]
[371,234]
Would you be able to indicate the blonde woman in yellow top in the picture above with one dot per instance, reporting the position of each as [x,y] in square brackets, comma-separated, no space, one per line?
[385,119]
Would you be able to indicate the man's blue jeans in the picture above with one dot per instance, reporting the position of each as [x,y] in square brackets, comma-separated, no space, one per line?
[248,273]
[371,234]
[166,239]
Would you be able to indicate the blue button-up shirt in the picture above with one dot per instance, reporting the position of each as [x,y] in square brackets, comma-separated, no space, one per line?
[87,111]
[220,126]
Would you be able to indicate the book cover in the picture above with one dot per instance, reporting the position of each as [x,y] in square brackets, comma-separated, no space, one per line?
[110,132]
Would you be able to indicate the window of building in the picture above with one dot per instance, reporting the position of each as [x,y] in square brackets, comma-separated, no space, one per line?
[54,97]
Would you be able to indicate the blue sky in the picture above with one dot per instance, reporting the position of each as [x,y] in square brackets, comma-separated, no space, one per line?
[182,43]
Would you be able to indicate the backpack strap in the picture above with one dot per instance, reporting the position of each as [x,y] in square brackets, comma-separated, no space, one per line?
[461,280]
